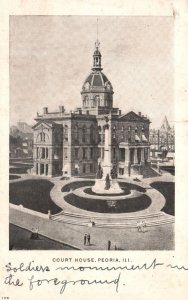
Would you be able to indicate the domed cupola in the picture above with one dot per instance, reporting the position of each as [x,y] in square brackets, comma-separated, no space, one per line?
[97,91]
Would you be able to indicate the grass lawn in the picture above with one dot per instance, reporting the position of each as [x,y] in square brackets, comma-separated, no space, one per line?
[11,177]
[77,184]
[104,206]
[33,194]
[19,170]
[168,191]
[20,239]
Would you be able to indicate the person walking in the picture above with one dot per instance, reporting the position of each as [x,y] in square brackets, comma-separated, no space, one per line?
[143,226]
[85,239]
[88,239]
[109,245]
[138,224]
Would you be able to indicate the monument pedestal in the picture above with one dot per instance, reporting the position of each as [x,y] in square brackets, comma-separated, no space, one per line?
[100,187]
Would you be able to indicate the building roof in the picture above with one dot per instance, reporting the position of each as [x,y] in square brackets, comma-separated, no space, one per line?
[46,123]
[96,79]
[132,116]
[165,126]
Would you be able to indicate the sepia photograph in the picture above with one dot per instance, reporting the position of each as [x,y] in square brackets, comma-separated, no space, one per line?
[92,133]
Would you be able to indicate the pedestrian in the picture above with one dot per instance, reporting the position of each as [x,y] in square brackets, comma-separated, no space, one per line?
[143,226]
[109,245]
[85,238]
[88,239]
[138,224]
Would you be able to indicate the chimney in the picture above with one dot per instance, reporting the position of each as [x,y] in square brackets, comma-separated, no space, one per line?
[45,110]
[139,113]
[61,109]
[119,112]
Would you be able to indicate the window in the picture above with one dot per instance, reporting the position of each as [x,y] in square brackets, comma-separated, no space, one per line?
[46,152]
[114,133]
[114,153]
[84,134]
[84,168]
[76,133]
[76,153]
[91,152]
[43,153]
[65,153]
[91,168]
[84,153]
[122,133]
[92,136]
[42,137]
[122,154]
[66,133]
[86,101]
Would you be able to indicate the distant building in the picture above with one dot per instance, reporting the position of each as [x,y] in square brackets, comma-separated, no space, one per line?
[162,141]
[21,141]
[72,143]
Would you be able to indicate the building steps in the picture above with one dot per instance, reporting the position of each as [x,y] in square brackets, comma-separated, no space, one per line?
[113,223]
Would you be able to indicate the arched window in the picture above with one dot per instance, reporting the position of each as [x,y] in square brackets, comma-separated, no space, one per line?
[97,100]
[42,137]
[86,101]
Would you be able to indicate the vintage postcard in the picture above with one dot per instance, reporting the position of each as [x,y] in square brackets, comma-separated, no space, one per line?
[94,152]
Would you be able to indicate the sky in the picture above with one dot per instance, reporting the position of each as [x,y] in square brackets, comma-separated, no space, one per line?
[50,57]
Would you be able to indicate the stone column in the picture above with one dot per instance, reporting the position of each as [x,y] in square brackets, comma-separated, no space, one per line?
[142,155]
[135,155]
[148,156]
[127,156]
[35,153]
[50,169]
[107,152]
[44,169]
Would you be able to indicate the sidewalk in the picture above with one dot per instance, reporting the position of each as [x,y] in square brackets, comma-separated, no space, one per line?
[155,238]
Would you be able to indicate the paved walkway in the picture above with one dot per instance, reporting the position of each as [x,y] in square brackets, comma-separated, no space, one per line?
[155,238]
[158,200]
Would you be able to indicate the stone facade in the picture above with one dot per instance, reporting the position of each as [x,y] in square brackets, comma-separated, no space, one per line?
[72,144]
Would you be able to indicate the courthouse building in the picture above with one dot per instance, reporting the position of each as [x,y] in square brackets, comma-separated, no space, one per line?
[72,143]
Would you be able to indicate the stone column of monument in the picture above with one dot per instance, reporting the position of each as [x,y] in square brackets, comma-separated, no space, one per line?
[101,184]
[106,164]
